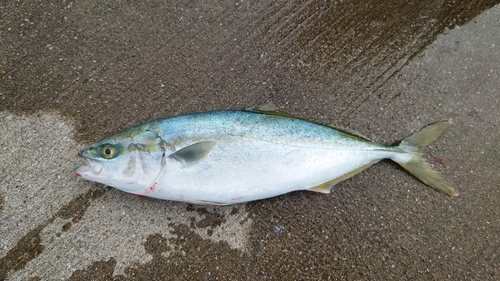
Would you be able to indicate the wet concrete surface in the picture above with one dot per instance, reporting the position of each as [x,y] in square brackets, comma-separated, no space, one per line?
[72,73]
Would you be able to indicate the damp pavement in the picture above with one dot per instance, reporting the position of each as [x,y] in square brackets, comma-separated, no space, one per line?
[74,72]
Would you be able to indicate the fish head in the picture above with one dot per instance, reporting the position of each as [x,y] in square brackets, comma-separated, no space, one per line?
[130,161]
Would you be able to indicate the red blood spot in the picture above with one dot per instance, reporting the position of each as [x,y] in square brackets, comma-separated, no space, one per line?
[441,160]
[78,175]
[141,196]
[152,187]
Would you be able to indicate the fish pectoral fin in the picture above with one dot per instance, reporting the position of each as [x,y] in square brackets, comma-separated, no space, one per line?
[192,154]
[326,187]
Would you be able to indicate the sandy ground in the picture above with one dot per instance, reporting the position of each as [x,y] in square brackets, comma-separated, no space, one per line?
[72,73]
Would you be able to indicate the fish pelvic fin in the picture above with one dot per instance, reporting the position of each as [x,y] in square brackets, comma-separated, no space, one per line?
[206,202]
[416,164]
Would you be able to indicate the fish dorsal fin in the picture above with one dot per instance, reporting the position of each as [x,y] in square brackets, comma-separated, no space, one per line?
[269,109]
[351,133]
[192,154]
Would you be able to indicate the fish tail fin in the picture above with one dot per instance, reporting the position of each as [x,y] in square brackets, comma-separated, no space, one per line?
[413,161]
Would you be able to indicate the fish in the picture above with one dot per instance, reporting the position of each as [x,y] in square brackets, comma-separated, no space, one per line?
[233,156]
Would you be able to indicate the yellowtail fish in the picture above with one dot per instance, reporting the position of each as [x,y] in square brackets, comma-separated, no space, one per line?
[233,156]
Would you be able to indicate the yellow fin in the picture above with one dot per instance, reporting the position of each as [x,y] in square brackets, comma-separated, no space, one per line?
[190,155]
[424,172]
[269,109]
[326,187]
[210,202]
[417,165]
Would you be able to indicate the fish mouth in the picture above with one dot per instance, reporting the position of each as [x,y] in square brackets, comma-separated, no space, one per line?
[92,167]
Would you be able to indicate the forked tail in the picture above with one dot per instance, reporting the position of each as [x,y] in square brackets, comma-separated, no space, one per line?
[413,161]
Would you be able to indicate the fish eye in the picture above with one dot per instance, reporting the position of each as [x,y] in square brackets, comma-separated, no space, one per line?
[108,151]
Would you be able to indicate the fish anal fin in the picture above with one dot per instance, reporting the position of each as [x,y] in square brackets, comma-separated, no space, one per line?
[192,154]
[326,187]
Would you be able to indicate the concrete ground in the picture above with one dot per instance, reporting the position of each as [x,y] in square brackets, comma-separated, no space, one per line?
[74,72]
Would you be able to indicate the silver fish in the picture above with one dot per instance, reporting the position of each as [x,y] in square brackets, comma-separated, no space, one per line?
[233,156]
